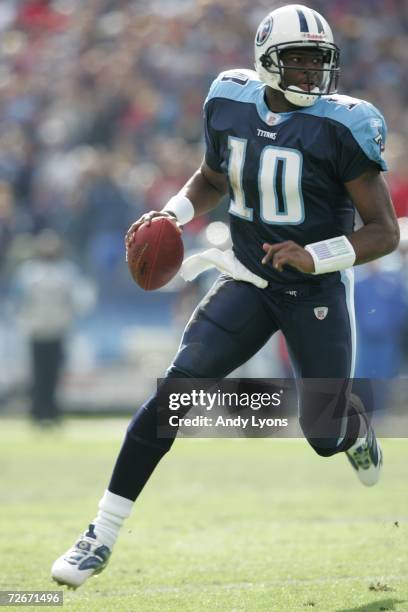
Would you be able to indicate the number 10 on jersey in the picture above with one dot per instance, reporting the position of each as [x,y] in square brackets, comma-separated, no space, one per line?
[279,183]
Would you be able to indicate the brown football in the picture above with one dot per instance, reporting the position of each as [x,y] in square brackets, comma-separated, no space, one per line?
[156,254]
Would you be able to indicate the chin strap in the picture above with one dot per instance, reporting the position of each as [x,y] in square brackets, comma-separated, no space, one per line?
[300,97]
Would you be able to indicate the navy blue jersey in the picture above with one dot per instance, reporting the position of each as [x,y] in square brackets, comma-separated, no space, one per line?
[286,171]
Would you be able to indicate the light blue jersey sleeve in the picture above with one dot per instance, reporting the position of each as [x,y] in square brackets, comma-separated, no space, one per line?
[365,124]
[371,134]
[240,85]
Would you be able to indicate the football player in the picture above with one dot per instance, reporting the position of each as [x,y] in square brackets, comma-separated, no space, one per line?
[298,160]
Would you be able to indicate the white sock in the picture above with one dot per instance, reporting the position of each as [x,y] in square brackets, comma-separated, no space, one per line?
[113,510]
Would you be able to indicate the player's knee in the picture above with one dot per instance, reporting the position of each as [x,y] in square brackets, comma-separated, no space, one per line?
[325,447]
[182,369]
[150,424]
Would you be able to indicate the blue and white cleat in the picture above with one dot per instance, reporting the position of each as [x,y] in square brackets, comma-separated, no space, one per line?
[366,458]
[88,557]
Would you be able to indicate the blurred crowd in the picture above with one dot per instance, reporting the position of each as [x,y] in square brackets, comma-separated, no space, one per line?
[100,110]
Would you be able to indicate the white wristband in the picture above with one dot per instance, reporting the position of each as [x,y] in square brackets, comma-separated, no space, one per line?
[332,254]
[181,206]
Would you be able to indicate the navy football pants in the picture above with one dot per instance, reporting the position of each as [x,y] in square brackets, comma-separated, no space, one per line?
[233,321]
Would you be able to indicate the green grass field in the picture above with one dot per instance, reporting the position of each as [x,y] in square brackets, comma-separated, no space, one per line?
[222,525]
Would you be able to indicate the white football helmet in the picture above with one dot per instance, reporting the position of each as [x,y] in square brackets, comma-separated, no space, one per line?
[297,26]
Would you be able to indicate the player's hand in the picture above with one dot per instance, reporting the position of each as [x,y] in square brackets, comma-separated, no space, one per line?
[147,218]
[288,253]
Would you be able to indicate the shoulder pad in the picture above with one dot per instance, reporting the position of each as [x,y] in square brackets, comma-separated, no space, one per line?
[237,84]
[346,109]
[362,118]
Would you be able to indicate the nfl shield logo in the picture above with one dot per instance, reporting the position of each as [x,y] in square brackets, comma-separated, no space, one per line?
[272,119]
[321,312]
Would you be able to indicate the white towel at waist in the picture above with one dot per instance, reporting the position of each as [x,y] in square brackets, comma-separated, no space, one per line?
[225,261]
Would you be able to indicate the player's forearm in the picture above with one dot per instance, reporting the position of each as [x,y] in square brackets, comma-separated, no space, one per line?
[380,233]
[202,192]
[374,240]
[203,195]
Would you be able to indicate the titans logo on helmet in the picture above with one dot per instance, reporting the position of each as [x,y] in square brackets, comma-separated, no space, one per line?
[263,31]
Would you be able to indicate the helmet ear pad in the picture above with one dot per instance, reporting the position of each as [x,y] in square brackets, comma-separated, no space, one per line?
[265,61]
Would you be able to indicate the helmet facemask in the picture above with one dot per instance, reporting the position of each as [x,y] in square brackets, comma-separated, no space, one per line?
[272,71]
[299,27]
